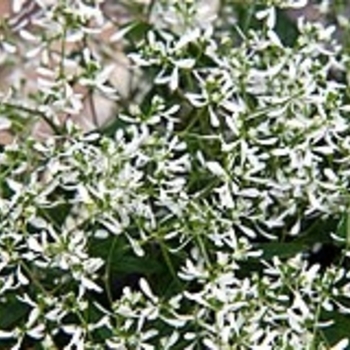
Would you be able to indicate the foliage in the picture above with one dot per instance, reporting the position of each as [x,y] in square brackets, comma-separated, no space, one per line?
[190,219]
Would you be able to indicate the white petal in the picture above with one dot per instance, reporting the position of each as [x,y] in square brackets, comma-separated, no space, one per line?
[342,345]
[146,288]
[216,168]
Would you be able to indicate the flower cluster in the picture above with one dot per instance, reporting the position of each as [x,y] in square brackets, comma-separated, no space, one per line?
[187,221]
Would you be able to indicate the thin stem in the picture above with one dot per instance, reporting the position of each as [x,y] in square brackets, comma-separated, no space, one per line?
[106,276]
[33,279]
[168,261]
[55,128]
[149,10]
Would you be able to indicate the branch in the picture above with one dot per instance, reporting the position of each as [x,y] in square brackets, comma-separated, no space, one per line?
[55,128]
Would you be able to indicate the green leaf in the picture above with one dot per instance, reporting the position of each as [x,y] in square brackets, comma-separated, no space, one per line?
[338,330]
[281,249]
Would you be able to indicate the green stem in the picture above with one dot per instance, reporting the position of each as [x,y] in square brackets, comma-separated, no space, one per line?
[33,279]
[108,272]
[168,261]
[55,128]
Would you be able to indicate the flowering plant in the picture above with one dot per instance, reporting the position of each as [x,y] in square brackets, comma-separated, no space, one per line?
[172,168]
